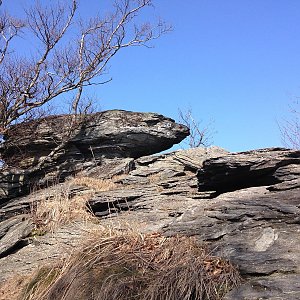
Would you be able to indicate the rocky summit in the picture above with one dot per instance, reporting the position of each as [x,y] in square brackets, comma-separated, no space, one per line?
[245,207]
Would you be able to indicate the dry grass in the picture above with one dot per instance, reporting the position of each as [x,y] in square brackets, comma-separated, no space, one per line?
[154,178]
[63,208]
[95,184]
[40,282]
[132,266]
[51,213]
[118,265]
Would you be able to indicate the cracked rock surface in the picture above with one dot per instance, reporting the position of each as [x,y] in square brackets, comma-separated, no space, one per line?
[245,206]
[156,191]
[252,218]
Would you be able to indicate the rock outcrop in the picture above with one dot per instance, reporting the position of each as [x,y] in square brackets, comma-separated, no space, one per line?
[243,206]
[156,191]
[165,184]
[79,145]
[266,167]
[252,218]
[107,134]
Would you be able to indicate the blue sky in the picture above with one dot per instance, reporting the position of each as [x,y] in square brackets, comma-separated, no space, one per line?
[233,62]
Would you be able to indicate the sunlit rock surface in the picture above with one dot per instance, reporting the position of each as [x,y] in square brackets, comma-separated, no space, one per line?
[85,143]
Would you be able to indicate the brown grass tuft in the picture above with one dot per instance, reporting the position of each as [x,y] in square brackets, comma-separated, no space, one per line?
[132,266]
[51,213]
[40,282]
[95,184]
[63,208]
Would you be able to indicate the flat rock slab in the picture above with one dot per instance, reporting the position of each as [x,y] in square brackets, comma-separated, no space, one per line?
[283,287]
[45,250]
[257,230]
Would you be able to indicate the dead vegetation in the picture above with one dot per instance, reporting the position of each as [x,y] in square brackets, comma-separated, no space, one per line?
[95,184]
[290,128]
[63,207]
[135,266]
[113,264]
[12,288]
[51,214]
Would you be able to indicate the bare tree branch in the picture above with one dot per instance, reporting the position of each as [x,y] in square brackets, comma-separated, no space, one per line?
[9,29]
[199,136]
[290,129]
[62,65]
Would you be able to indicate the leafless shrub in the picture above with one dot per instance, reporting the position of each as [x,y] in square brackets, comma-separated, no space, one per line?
[290,128]
[134,266]
[61,65]
[200,136]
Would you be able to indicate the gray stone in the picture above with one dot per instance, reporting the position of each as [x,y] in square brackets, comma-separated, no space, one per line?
[44,250]
[255,223]
[253,219]
[285,287]
[247,169]
[108,134]
[96,139]
[13,233]
[156,182]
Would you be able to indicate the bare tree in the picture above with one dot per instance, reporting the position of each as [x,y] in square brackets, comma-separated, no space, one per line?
[290,128]
[62,64]
[199,136]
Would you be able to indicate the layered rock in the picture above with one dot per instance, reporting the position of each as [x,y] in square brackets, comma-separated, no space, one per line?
[253,219]
[244,206]
[265,167]
[155,192]
[107,134]
[164,183]
[78,144]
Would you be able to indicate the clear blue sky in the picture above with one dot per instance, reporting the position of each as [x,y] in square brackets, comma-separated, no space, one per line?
[236,62]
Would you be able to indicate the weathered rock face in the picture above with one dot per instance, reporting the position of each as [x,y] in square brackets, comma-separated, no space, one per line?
[253,219]
[264,167]
[245,206]
[165,184]
[156,190]
[107,134]
[97,137]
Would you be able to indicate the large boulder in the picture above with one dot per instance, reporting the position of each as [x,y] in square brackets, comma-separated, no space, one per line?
[264,167]
[77,144]
[107,134]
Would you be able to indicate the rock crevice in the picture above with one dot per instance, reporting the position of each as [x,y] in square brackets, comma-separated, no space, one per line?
[265,167]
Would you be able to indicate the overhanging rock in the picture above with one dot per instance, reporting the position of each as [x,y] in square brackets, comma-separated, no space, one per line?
[89,141]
